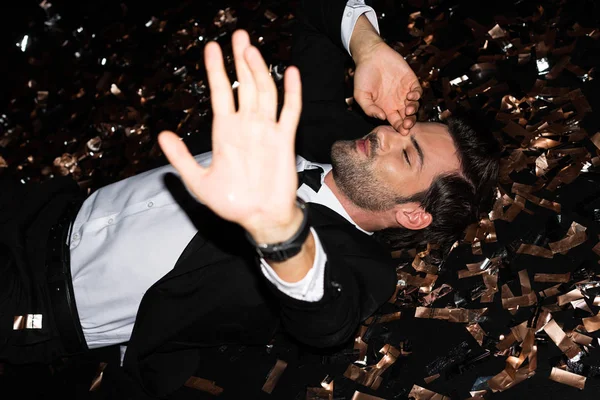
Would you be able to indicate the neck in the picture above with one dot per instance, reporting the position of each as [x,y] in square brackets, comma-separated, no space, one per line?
[370,221]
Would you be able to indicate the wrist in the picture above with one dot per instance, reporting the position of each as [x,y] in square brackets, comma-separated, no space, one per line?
[270,232]
[364,40]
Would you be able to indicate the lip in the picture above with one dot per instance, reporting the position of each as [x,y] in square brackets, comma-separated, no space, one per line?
[362,146]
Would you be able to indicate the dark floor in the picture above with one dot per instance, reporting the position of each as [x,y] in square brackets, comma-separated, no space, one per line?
[58,115]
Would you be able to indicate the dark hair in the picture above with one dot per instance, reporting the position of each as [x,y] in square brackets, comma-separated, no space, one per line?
[455,200]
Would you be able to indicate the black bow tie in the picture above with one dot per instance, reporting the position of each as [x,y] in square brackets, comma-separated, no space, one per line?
[311,177]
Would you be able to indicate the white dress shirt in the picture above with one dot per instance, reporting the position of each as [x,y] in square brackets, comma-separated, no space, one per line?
[353,10]
[130,234]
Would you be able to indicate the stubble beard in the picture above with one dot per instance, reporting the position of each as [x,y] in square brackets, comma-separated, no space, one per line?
[356,179]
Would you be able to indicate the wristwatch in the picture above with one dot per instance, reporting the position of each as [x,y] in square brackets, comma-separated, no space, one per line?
[284,250]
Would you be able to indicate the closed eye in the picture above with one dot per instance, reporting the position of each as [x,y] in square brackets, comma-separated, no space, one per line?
[406,157]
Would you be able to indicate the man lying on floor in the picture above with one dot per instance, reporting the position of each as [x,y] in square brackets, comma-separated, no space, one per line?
[232,245]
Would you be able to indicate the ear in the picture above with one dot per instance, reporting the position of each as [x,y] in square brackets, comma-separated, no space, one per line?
[413,217]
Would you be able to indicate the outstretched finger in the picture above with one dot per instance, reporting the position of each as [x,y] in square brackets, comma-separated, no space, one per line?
[182,160]
[240,41]
[221,95]
[265,86]
[292,101]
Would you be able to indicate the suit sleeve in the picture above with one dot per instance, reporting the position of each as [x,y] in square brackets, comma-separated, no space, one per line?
[359,278]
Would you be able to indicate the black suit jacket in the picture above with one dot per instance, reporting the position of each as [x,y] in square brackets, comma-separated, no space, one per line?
[216,293]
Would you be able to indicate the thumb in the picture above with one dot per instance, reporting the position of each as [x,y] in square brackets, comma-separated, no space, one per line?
[182,160]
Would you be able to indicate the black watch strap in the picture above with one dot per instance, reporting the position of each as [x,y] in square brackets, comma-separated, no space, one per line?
[284,250]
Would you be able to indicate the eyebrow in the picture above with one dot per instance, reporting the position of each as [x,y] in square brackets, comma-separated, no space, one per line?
[419,150]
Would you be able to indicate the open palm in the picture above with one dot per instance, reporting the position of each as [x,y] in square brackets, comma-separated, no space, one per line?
[252,179]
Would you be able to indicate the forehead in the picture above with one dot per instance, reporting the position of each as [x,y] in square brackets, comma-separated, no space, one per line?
[432,129]
[437,144]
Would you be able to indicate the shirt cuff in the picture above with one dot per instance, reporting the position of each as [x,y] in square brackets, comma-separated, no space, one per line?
[309,288]
[353,10]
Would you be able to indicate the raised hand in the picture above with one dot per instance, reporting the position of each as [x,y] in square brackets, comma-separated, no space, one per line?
[252,178]
[385,86]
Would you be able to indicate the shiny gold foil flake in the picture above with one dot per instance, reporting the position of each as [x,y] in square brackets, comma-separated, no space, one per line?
[397,253]
[520,331]
[97,381]
[543,318]
[596,249]
[477,332]
[203,385]
[508,378]
[560,338]
[528,298]
[478,394]
[581,304]
[29,321]
[370,375]
[506,341]
[568,297]
[421,265]
[596,139]
[567,378]
[273,376]
[327,383]
[534,250]
[519,161]
[459,315]
[476,248]
[544,143]
[592,324]
[436,294]
[318,393]
[490,280]
[465,273]
[359,344]
[431,378]
[497,32]
[506,296]
[357,374]
[575,237]
[580,338]
[420,393]
[380,319]
[425,284]
[525,282]
[551,205]
[363,396]
[540,277]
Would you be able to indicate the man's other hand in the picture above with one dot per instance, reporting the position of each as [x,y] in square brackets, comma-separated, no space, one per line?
[385,86]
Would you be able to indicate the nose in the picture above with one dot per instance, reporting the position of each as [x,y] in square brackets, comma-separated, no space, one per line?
[390,139]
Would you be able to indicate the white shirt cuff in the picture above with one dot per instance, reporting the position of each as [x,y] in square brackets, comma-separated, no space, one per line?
[309,288]
[353,10]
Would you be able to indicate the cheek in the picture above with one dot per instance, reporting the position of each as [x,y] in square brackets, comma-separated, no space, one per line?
[393,175]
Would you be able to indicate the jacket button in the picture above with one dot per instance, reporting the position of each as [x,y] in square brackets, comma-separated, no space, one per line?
[336,286]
